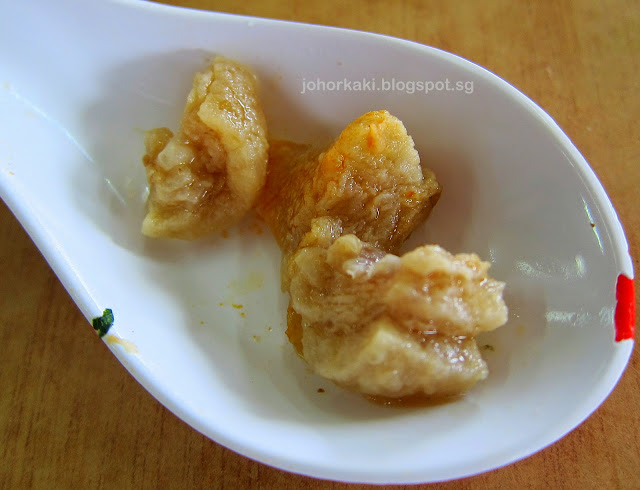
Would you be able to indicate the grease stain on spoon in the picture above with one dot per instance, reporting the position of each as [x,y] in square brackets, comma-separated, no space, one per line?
[129,347]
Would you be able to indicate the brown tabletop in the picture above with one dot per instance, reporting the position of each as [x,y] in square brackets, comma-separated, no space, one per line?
[72,417]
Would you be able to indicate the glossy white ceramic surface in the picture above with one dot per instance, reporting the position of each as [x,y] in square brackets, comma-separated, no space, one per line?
[81,81]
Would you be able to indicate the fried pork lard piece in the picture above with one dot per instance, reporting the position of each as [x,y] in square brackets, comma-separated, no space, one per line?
[208,175]
[361,316]
[370,179]
[389,325]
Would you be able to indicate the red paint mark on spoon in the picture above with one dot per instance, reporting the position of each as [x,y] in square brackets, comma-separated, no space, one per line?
[625,315]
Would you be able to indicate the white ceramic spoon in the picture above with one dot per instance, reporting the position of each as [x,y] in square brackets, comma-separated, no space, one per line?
[80,81]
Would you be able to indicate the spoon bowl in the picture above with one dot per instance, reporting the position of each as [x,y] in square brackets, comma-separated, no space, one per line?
[201,325]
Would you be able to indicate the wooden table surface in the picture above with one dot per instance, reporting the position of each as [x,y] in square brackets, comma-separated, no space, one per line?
[59,426]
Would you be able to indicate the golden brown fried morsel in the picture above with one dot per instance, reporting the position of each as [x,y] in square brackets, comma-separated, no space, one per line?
[389,325]
[208,175]
[370,180]
[427,290]
[377,323]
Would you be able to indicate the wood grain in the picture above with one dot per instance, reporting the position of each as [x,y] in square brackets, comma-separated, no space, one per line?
[72,417]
